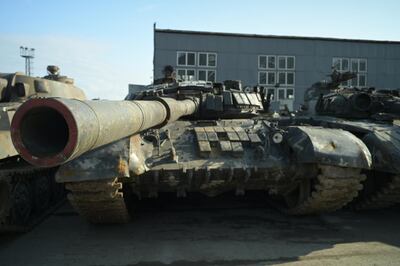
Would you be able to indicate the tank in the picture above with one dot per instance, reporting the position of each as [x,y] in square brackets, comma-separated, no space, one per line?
[373,116]
[27,193]
[183,138]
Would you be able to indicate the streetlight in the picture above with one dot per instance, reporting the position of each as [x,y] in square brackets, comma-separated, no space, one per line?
[28,54]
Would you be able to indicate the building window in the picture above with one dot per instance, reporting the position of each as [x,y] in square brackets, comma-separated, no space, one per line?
[262,62]
[290,78]
[186,74]
[267,78]
[266,62]
[277,71]
[286,78]
[262,78]
[356,65]
[207,75]
[207,59]
[271,91]
[281,93]
[186,59]
[277,94]
[282,78]
[286,62]
[271,59]
[285,93]
[188,68]
[271,78]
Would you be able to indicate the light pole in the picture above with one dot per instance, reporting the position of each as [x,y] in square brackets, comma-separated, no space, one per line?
[28,54]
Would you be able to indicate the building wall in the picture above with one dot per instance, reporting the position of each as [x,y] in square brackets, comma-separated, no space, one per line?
[237,57]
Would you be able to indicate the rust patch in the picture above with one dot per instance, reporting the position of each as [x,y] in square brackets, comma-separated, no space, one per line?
[122,167]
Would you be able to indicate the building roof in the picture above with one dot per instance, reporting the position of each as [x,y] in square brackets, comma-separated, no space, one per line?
[271,36]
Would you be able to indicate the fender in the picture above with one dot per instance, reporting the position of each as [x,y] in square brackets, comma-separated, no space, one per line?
[384,146]
[106,162]
[123,158]
[328,146]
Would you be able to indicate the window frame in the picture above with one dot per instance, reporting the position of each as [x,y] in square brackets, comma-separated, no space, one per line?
[272,56]
[267,73]
[267,81]
[278,67]
[348,64]
[266,62]
[333,63]
[366,66]
[177,72]
[186,70]
[186,58]
[208,70]
[266,78]
[286,62]
[358,60]
[294,62]
[358,79]
[285,77]
[267,56]
[294,78]
[207,61]
[274,94]
[285,89]
[294,95]
[277,93]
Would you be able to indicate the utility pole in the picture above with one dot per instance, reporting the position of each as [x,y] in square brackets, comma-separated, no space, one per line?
[28,54]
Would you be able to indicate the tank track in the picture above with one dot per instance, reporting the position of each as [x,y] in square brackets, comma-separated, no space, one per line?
[26,175]
[100,202]
[385,197]
[334,188]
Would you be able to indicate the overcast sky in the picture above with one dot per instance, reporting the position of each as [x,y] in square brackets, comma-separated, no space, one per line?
[104,45]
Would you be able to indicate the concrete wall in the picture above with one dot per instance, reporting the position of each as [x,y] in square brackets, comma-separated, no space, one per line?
[237,56]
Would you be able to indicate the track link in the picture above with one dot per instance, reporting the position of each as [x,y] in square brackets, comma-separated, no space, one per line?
[334,188]
[100,202]
[385,197]
[9,178]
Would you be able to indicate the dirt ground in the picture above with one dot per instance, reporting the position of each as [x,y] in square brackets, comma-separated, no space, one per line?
[210,233]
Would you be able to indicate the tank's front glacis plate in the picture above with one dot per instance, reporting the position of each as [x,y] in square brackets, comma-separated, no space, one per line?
[213,157]
[219,145]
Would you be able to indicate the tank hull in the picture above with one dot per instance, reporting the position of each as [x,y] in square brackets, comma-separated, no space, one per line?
[215,157]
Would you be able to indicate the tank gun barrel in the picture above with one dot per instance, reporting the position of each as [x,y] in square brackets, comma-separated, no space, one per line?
[52,131]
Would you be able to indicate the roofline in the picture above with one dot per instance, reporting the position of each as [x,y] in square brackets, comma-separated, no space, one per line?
[272,36]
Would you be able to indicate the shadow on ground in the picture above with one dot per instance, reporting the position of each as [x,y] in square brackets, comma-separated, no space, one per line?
[199,231]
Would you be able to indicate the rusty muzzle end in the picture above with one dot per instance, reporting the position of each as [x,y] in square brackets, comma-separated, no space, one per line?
[44,132]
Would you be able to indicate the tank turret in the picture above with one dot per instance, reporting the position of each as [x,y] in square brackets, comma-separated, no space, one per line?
[216,100]
[360,103]
[313,93]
